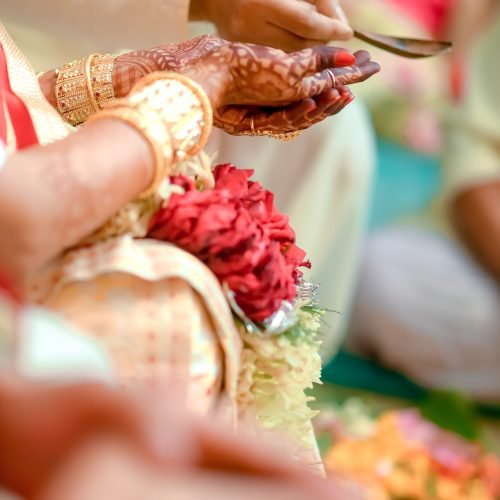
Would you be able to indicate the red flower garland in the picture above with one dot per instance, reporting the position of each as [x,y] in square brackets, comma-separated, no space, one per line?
[236,230]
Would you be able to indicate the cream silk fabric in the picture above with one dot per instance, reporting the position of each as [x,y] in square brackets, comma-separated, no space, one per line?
[322,180]
[159,312]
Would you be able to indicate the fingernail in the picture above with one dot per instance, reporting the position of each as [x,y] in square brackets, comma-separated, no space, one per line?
[345,59]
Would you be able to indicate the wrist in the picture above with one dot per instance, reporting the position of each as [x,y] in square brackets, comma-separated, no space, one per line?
[47,82]
[130,68]
[215,85]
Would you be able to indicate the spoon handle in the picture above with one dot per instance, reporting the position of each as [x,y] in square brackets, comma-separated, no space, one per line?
[406,47]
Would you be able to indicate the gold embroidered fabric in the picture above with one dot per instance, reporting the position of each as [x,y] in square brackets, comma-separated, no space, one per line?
[48,123]
[153,306]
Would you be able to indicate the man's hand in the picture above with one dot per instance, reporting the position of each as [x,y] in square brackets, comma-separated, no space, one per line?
[289,25]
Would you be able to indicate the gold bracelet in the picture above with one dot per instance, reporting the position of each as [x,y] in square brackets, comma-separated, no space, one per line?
[101,78]
[72,93]
[152,128]
[184,106]
[88,82]
[84,86]
[285,137]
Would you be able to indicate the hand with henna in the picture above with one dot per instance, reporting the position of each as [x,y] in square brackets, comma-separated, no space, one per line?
[253,87]
[281,91]
[300,115]
[204,50]
[245,74]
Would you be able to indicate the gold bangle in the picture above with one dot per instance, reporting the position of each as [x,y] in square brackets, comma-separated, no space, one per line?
[101,78]
[284,137]
[72,93]
[88,82]
[189,114]
[153,131]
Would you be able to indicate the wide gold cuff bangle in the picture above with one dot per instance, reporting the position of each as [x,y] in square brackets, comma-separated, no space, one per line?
[84,86]
[183,105]
[151,127]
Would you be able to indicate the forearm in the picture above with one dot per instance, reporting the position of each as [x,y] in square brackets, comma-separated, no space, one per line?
[53,196]
[476,215]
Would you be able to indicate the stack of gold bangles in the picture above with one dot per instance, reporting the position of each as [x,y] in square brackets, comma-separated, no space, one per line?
[84,86]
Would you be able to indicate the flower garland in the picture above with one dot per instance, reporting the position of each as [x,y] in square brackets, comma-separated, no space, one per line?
[277,370]
[406,456]
[236,230]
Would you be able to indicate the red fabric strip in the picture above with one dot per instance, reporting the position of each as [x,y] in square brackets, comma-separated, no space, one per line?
[20,118]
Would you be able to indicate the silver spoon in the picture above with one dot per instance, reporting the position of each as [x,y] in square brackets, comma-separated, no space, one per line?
[406,47]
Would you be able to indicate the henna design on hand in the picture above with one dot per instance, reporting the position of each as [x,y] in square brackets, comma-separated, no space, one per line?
[270,77]
[301,115]
[279,91]
[238,119]
[132,66]
[239,74]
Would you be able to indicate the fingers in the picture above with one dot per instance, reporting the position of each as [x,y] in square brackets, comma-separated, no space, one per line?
[298,18]
[339,76]
[328,104]
[316,59]
[277,37]
[297,116]
[291,114]
[346,97]
[326,101]
[362,57]
[355,74]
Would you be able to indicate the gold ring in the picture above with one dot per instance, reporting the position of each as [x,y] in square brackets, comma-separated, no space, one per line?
[331,74]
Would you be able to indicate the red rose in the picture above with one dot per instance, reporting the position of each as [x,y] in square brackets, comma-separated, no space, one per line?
[237,232]
[260,292]
[258,200]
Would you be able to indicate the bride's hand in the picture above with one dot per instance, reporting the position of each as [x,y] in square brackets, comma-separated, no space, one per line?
[227,68]
[238,120]
[236,73]
[301,114]
[246,74]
